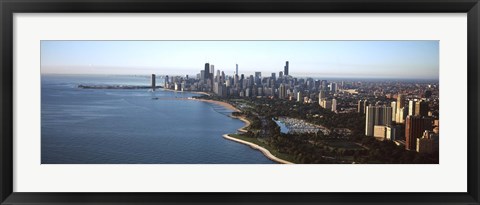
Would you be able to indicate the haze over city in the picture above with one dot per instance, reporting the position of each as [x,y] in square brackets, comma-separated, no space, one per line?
[341,59]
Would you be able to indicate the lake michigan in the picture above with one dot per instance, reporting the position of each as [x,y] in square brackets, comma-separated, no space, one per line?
[128,126]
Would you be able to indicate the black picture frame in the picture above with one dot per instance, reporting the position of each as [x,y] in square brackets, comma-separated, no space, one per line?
[9,7]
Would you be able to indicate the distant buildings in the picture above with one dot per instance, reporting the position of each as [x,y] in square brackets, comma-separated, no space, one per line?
[153,82]
[285,69]
[385,117]
[206,72]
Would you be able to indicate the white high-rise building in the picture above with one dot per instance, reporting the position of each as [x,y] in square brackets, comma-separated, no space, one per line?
[400,105]
[394,110]
[401,115]
[334,105]
[321,96]
[411,107]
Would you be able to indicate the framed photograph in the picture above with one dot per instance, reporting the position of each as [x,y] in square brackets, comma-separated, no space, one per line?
[252,102]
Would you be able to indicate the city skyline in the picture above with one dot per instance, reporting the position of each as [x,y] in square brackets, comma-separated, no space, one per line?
[331,59]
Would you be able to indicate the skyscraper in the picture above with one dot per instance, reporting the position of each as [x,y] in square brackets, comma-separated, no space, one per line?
[414,128]
[334,105]
[282,93]
[411,107]
[360,107]
[393,104]
[377,115]
[153,82]
[400,105]
[299,96]
[206,73]
[285,69]
[212,69]
[333,87]
[236,69]
[369,120]
[421,108]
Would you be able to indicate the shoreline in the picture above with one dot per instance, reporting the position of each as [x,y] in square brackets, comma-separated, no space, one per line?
[243,119]
[263,150]
[194,92]
[260,148]
[223,104]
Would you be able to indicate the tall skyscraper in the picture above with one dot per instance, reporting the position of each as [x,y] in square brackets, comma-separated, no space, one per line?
[414,128]
[285,69]
[326,104]
[402,114]
[365,105]
[299,96]
[322,95]
[360,107]
[400,105]
[153,82]
[411,107]
[369,120]
[393,104]
[206,73]
[377,115]
[334,105]
[333,87]
[282,93]
[421,108]
[236,69]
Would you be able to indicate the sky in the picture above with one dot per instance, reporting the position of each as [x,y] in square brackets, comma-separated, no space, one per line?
[340,59]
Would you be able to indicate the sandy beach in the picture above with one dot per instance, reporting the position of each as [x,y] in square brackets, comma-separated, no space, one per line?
[224,104]
[261,149]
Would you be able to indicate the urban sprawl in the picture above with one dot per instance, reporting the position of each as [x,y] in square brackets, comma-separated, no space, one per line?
[400,112]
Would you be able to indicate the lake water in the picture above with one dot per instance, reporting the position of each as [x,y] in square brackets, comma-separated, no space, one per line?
[110,126]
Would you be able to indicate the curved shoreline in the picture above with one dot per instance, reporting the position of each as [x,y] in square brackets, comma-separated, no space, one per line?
[247,123]
[260,148]
[263,150]
[223,104]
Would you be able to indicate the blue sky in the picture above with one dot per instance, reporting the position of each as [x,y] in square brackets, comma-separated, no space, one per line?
[344,59]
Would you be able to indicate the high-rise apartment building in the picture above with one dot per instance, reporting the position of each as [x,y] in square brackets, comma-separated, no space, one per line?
[334,105]
[393,104]
[421,108]
[360,107]
[377,115]
[400,105]
[282,93]
[414,128]
[411,107]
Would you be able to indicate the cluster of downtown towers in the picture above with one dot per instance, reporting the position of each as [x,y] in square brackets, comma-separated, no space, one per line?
[407,122]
